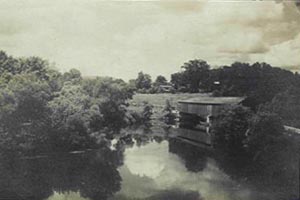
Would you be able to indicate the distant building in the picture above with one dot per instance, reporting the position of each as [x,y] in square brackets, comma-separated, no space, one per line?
[206,109]
[165,88]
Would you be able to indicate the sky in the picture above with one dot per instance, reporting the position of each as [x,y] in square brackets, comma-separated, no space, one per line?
[121,38]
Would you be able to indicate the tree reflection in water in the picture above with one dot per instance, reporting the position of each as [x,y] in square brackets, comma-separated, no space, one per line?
[273,173]
[195,158]
[93,174]
[96,175]
[176,195]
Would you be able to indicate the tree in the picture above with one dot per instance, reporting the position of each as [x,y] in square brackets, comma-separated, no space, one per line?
[8,64]
[169,114]
[73,75]
[143,81]
[74,118]
[132,85]
[178,80]
[111,96]
[230,133]
[160,80]
[41,109]
[265,129]
[287,105]
[197,72]
[108,89]
[259,82]
[194,76]
[36,66]
[24,115]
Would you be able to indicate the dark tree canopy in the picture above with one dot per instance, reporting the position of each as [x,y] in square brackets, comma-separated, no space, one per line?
[231,130]
[160,80]
[42,109]
[94,175]
[259,82]
[194,76]
[143,81]
[287,105]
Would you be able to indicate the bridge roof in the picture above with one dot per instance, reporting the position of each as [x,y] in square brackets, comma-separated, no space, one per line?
[213,100]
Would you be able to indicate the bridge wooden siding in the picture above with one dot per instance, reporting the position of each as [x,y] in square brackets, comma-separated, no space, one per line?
[207,106]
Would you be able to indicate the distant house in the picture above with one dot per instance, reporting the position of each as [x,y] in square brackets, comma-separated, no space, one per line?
[206,109]
[165,88]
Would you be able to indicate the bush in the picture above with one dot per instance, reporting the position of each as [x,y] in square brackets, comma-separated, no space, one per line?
[265,130]
[229,133]
[140,118]
[169,115]
[147,112]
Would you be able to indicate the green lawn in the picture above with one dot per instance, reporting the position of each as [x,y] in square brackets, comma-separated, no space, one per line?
[159,101]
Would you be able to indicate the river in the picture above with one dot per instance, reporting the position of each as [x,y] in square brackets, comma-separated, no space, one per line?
[134,167]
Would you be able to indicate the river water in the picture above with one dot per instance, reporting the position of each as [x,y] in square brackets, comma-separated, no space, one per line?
[134,167]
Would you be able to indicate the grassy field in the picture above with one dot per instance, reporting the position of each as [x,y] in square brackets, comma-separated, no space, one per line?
[159,101]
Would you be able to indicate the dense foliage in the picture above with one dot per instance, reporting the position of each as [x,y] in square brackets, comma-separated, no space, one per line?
[42,109]
[231,130]
[143,82]
[240,131]
[254,145]
[259,82]
[287,105]
[93,175]
[193,77]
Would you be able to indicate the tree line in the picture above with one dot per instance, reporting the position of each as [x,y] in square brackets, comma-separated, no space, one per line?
[251,137]
[42,109]
[259,82]
[263,86]
[144,84]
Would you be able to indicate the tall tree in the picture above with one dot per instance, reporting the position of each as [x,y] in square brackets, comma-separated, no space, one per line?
[160,80]
[194,76]
[143,81]
[197,72]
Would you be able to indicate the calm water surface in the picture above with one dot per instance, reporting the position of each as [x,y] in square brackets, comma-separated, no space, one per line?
[135,167]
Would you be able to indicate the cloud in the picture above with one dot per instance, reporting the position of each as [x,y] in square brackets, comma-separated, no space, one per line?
[121,38]
[285,54]
[248,41]
[152,169]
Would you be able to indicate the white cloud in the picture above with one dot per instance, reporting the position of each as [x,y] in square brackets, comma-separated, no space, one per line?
[149,169]
[121,38]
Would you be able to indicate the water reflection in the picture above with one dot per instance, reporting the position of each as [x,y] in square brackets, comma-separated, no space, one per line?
[94,175]
[158,171]
[140,167]
[194,157]
[272,175]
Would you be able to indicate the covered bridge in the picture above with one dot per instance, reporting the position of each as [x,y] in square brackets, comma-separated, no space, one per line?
[205,109]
